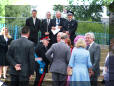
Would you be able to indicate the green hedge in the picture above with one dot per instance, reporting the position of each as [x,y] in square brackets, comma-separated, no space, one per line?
[84,27]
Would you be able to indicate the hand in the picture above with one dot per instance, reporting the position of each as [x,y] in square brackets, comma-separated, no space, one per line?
[67,32]
[39,58]
[68,69]
[18,67]
[59,27]
[46,33]
[105,69]
[30,77]
[91,73]
[53,28]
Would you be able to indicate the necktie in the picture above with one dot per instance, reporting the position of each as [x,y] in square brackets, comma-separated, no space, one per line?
[48,21]
[58,20]
[87,47]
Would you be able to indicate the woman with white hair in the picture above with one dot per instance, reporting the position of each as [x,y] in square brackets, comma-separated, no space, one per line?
[79,64]
[5,40]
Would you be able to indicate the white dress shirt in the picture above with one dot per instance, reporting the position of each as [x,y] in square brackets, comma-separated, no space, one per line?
[34,20]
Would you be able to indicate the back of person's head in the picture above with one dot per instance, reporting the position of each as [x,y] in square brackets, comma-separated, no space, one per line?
[80,43]
[64,36]
[25,30]
[69,42]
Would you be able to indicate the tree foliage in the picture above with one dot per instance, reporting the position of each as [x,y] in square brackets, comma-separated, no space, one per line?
[18,14]
[90,12]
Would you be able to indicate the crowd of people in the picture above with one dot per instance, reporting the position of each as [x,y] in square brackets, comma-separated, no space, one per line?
[72,60]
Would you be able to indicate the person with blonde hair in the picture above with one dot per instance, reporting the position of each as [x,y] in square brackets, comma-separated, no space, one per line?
[5,40]
[79,64]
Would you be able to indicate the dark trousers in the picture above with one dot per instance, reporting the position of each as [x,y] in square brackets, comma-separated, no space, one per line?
[59,79]
[17,80]
[39,77]
[109,83]
[94,80]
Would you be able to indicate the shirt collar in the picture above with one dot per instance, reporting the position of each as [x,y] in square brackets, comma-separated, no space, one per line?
[91,44]
[24,36]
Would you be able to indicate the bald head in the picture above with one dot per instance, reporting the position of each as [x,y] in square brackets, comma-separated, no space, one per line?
[64,36]
[59,36]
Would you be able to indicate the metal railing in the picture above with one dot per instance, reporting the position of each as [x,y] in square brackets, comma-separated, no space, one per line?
[14,30]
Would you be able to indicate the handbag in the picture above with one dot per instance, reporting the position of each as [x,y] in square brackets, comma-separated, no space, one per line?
[70,72]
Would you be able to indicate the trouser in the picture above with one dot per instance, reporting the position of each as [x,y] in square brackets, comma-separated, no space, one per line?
[109,83]
[94,79]
[39,77]
[59,79]
[17,80]
[72,39]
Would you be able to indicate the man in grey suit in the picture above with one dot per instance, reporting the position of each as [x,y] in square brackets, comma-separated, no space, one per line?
[21,58]
[59,55]
[95,51]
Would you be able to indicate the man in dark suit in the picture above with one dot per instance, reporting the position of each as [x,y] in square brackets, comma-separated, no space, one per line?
[71,26]
[95,51]
[45,25]
[56,23]
[59,56]
[21,58]
[34,24]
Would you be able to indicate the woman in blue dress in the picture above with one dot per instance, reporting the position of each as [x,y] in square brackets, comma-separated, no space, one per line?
[80,63]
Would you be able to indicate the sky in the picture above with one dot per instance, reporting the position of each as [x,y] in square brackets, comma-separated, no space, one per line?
[43,6]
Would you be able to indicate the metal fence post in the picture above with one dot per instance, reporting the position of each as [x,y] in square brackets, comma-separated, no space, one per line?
[15,35]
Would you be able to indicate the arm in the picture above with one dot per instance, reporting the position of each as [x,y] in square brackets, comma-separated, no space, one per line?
[96,58]
[71,62]
[68,55]
[10,56]
[49,53]
[2,44]
[27,22]
[89,61]
[39,25]
[74,28]
[31,60]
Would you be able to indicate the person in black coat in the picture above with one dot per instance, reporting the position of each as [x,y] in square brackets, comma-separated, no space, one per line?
[21,59]
[41,70]
[57,22]
[71,26]
[109,65]
[34,24]
[45,25]
[5,40]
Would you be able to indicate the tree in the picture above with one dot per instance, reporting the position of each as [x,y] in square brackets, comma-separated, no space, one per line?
[90,12]
[18,14]
[2,9]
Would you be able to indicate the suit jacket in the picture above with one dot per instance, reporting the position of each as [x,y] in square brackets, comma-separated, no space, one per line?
[3,50]
[21,51]
[53,24]
[44,27]
[95,57]
[71,26]
[53,38]
[59,56]
[111,66]
[33,28]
